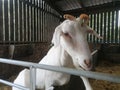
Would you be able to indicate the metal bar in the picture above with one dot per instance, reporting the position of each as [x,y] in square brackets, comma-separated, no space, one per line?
[14,21]
[38,21]
[33,21]
[94,26]
[104,27]
[112,35]
[9,22]
[3,22]
[23,23]
[101,24]
[30,21]
[36,12]
[32,78]
[26,22]
[18,31]
[116,27]
[108,35]
[14,85]
[91,22]
[89,74]
[95,51]
[97,20]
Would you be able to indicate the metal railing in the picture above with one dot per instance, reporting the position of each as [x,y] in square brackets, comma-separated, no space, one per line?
[33,66]
[26,21]
[107,24]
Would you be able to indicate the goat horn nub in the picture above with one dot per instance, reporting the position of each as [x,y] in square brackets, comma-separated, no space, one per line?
[84,16]
[68,16]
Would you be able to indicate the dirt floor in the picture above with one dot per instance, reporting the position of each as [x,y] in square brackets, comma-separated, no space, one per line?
[104,66]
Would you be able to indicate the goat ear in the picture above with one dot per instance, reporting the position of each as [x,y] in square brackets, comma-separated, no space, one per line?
[56,36]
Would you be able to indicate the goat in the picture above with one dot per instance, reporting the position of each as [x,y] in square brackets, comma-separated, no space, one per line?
[70,50]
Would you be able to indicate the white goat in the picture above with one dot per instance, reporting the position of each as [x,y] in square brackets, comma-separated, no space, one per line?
[70,50]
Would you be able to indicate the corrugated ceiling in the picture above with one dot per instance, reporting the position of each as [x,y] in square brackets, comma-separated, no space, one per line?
[72,6]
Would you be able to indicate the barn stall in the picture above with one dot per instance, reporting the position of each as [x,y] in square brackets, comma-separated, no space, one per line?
[28,26]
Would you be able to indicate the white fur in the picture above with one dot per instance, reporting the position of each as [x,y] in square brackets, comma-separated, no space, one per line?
[69,50]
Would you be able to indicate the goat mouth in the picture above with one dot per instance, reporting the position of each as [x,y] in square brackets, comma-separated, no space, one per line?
[85,69]
[81,68]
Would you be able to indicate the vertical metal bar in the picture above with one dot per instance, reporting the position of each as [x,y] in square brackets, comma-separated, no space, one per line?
[22,38]
[30,20]
[3,16]
[92,37]
[9,22]
[90,24]
[112,35]
[114,28]
[39,20]
[97,21]
[101,24]
[32,78]
[36,33]
[18,1]
[104,27]
[42,21]
[108,35]
[47,24]
[33,21]
[119,27]
[116,25]
[14,21]
[94,23]
[24,20]
[27,20]
[88,34]
[1,22]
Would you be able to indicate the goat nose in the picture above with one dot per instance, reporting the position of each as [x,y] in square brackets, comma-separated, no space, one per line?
[87,63]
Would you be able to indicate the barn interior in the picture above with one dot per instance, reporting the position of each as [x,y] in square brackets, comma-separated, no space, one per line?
[28,26]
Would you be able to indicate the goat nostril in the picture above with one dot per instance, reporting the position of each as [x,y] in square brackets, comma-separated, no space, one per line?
[87,62]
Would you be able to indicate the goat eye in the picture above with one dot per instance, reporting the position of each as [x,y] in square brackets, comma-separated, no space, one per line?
[66,34]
